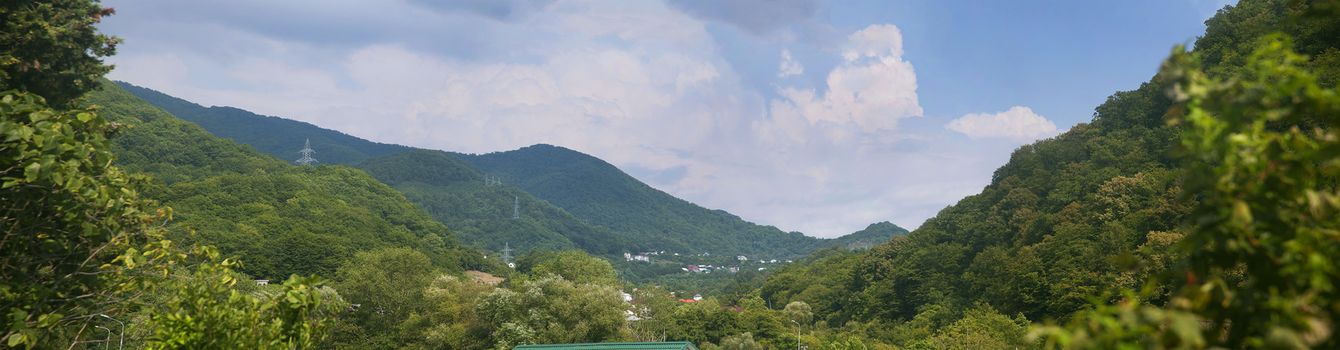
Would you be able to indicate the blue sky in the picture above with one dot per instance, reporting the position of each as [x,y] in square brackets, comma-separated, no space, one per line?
[810,115]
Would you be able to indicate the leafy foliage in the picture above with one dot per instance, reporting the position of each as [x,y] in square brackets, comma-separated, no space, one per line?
[67,215]
[80,244]
[1262,148]
[206,309]
[52,48]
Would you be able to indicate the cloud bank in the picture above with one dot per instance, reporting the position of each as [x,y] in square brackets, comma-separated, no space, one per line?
[1017,123]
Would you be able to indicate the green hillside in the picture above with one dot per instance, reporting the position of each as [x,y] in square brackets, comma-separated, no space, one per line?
[482,214]
[601,194]
[280,219]
[870,236]
[1097,209]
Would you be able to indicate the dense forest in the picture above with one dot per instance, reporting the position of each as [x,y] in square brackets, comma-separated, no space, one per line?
[482,213]
[1197,211]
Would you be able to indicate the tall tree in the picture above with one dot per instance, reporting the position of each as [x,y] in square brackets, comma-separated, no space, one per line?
[53,48]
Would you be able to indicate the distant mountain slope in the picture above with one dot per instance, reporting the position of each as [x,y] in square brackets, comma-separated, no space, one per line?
[481,214]
[276,136]
[600,193]
[597,194]
[280,219]
[873,235]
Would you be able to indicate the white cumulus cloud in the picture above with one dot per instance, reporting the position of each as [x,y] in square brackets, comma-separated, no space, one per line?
[868,92]
[1017,123]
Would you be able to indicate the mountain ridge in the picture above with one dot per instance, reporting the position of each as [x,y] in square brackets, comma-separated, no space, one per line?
[599,194]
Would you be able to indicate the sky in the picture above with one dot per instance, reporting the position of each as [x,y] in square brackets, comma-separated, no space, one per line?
[814,116]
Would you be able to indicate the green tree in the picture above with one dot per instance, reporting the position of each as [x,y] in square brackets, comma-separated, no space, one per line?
[386,285]
[1265,156]
[1266,159]
[53,48]
[572,265]
[981,328]
[553,310]
[67,215]
[205,309]
[799,312]
[744,341]
[655,308]
[449,320]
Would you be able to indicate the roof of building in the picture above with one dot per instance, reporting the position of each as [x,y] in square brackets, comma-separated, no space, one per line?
[680,345]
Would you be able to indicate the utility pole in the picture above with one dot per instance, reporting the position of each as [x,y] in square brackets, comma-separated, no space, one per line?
[306,152]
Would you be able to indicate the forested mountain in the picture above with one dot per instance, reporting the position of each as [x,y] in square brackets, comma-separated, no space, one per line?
[1097,209]
[275,136]
[601,194]
[481,213]
[873,235]
[614,212]
[280,219]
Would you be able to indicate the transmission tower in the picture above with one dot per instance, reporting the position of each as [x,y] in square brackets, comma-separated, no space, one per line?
[516,207]
[507,254]
[306,153]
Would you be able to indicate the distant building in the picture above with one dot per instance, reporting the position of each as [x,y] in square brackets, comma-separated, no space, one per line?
[262,282]
[741,258]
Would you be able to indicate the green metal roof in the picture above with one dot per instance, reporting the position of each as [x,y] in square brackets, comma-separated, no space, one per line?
[679,345]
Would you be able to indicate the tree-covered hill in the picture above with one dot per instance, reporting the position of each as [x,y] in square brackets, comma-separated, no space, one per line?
[873,235]
[480,213]
[601,194]
[275,136]
[604,199]
[1092,211]
[280,219]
